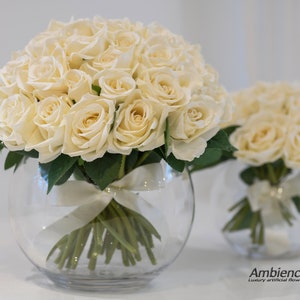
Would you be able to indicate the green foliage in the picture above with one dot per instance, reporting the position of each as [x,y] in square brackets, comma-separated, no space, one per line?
[209,158]
[167,137]
[97,89]
[273,172]
[175,163]
[217,151]
[296,200]
[221,141]
[248,175]
[13,159]
[59,170]
[104,170]
[244,218]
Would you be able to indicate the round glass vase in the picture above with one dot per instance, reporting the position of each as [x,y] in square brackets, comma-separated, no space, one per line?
[120,247]
[259,221]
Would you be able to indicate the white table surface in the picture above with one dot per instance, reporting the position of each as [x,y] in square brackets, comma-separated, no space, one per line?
[206,269]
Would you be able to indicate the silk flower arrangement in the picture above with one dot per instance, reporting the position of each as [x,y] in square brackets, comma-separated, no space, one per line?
[266,135]
[104,101]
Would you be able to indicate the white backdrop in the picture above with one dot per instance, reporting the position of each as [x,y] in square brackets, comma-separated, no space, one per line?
[245,40]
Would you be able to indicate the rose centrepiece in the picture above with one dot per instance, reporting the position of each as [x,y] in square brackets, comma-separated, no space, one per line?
[265,132]
[97,98]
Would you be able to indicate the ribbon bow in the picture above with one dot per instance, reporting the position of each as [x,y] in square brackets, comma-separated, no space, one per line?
[270,200]
[91,201]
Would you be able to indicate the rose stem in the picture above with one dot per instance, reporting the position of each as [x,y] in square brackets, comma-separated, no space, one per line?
[67,249]
[82,237]
[119,212]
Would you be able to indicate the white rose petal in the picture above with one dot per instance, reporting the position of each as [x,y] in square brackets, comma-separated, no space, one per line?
[78,82]
[291,151]
[115,84]
[16,126]
[91,86]
[188,150]
[261,139]
[82,42]
[48,136]
[198,122]
[198,117]
[87,127]
[163,86]
[139,125]
[44,75]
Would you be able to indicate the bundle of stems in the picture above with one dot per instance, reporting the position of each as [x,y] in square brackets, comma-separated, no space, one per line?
[116,228]
[243,217]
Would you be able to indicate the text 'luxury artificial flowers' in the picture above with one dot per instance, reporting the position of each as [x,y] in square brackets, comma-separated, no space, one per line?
[266,134]
[94,100]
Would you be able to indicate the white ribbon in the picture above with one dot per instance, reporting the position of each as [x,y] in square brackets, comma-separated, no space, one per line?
[268,199]
[91,201]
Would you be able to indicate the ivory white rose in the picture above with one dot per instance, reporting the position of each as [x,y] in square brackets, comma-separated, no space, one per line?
[194,125]
[91,86]
[111,58]
[49,133]
[81,42]
[43,76]
[16,126]
[162,85]
[291,153]
[115,84]
[159,53]
[139,125]
[87,127]
[79,83]
[278,97]
[261,139]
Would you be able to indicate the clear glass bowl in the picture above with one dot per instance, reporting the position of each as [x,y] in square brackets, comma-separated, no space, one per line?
[170,210]
[281,240]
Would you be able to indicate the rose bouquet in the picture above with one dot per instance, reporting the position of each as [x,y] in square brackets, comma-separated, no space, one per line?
[97,100]
[266,135]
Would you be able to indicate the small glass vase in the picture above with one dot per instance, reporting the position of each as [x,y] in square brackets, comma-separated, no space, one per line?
[265,227]
[119,248]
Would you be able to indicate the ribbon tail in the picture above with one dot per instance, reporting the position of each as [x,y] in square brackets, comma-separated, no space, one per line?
[144,178]
[264,198]
[277,241]
[277,238]
[77,218]
[74,193]
[130,200]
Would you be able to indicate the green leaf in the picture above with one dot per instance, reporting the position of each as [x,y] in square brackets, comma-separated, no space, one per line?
[1,146]
[13,159]
[230,129]
[66,176]
[32,153]
[241,219]
[175,163]
[151,158]
[78,174]
[221,141]
[131,160]
[167,137]
[209,158]
[56,171]
[104,170]
[248,175]
[97,89]
[296,200]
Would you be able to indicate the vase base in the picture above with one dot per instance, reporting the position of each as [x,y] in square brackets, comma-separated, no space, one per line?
[100,284]
[257,252]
